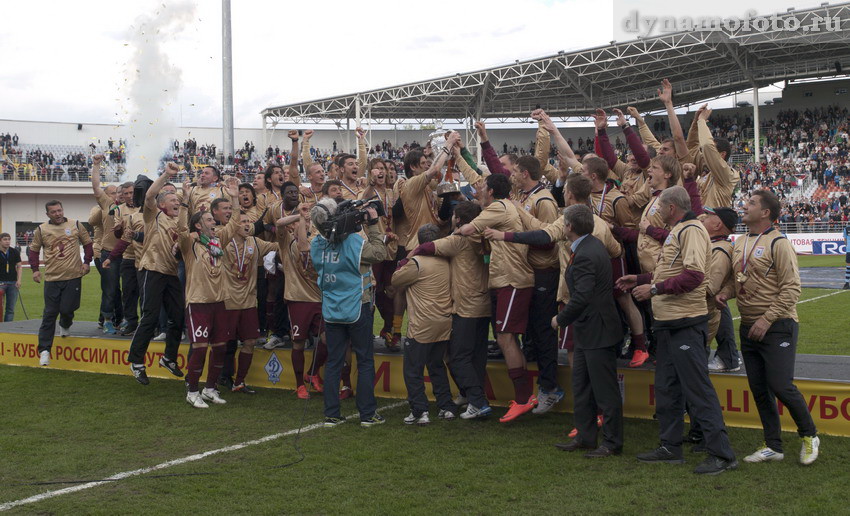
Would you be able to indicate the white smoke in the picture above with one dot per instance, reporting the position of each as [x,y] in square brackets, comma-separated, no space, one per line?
[152,83]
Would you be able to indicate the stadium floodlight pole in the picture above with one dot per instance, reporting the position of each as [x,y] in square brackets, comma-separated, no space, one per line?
[756,128]
[265,134]
[227,79]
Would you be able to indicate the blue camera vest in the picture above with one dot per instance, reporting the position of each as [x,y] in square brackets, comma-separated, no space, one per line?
[340,279]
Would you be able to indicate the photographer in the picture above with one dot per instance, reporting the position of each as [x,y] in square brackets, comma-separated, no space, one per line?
[342,255]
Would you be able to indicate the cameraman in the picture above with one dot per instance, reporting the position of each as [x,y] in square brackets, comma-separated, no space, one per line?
[343,263]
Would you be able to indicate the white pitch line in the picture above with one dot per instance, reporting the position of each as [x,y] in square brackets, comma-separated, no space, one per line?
[811,299]
[176,462]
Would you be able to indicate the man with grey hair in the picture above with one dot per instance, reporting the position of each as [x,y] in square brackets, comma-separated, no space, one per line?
[593,314]
[158,274]
[343,263]
[677,288]
[429,308]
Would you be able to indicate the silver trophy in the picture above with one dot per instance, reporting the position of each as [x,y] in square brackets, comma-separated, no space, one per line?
[447,185]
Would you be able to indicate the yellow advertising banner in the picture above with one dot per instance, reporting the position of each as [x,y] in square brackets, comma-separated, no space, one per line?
[828,401]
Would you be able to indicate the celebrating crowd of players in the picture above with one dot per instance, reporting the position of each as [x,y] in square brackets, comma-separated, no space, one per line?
[497,256]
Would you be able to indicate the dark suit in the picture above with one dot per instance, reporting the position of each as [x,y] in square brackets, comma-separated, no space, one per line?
[593,314]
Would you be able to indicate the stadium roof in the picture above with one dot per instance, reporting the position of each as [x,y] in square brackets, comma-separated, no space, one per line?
[701,64]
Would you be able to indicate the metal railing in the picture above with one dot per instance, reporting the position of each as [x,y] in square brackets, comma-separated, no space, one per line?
[804,227]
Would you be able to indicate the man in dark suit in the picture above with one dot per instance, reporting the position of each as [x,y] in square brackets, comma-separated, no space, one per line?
[592,313]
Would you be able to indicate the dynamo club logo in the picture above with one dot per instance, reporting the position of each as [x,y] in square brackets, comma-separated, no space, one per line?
[273,368]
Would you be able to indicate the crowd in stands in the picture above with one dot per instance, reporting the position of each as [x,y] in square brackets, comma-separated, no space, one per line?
[830,214]
[798,146]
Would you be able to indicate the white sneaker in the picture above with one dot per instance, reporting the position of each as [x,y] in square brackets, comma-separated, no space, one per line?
[44,358]
[448,415]
[716,365]
[194,399]
[421,420]
[213,396]
[473,412]
[64,332]
[809,450]
[547,400]
[737,367]
[764,454]
[160,337]
[461,401]
[273,343]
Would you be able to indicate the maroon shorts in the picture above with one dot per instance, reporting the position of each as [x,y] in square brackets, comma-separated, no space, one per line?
[511,308]
[305,318]
[207,323]
[565,335]
[618,270]
[243,324]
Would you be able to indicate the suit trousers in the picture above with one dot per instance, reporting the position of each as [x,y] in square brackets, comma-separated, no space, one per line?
[595,388]
[543,339]
[111,306]
[418,356]
[681,376]
[158,291]
[468,357]
[770,372]
[130,292]
[727,349]
[61,299]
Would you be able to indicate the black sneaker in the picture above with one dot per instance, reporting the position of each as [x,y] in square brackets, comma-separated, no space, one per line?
[376,419]
[661,454]
[715,465]
[699,448]
[244,389]
[128,330]
[171,366]
[493,350]
[331,422]
[139,374]
[226,382]
[692,438]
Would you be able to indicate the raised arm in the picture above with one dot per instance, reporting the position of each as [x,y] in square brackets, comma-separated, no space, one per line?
[471,176]
[693,133]
[488,152]
[718,167]
[306,158]
[634,141]
[564,149]
[644,131]
[362,153]
[171,171]
[443,156]
[294,174]
[542,145]
[603,142]
[99,194]
[665,93]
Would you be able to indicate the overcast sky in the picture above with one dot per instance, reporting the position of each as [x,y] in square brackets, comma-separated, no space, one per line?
[65,61]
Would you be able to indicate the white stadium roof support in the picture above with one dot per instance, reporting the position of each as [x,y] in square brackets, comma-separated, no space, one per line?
[702,64]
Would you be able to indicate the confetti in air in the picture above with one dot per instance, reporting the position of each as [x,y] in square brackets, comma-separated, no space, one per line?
[152,81]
